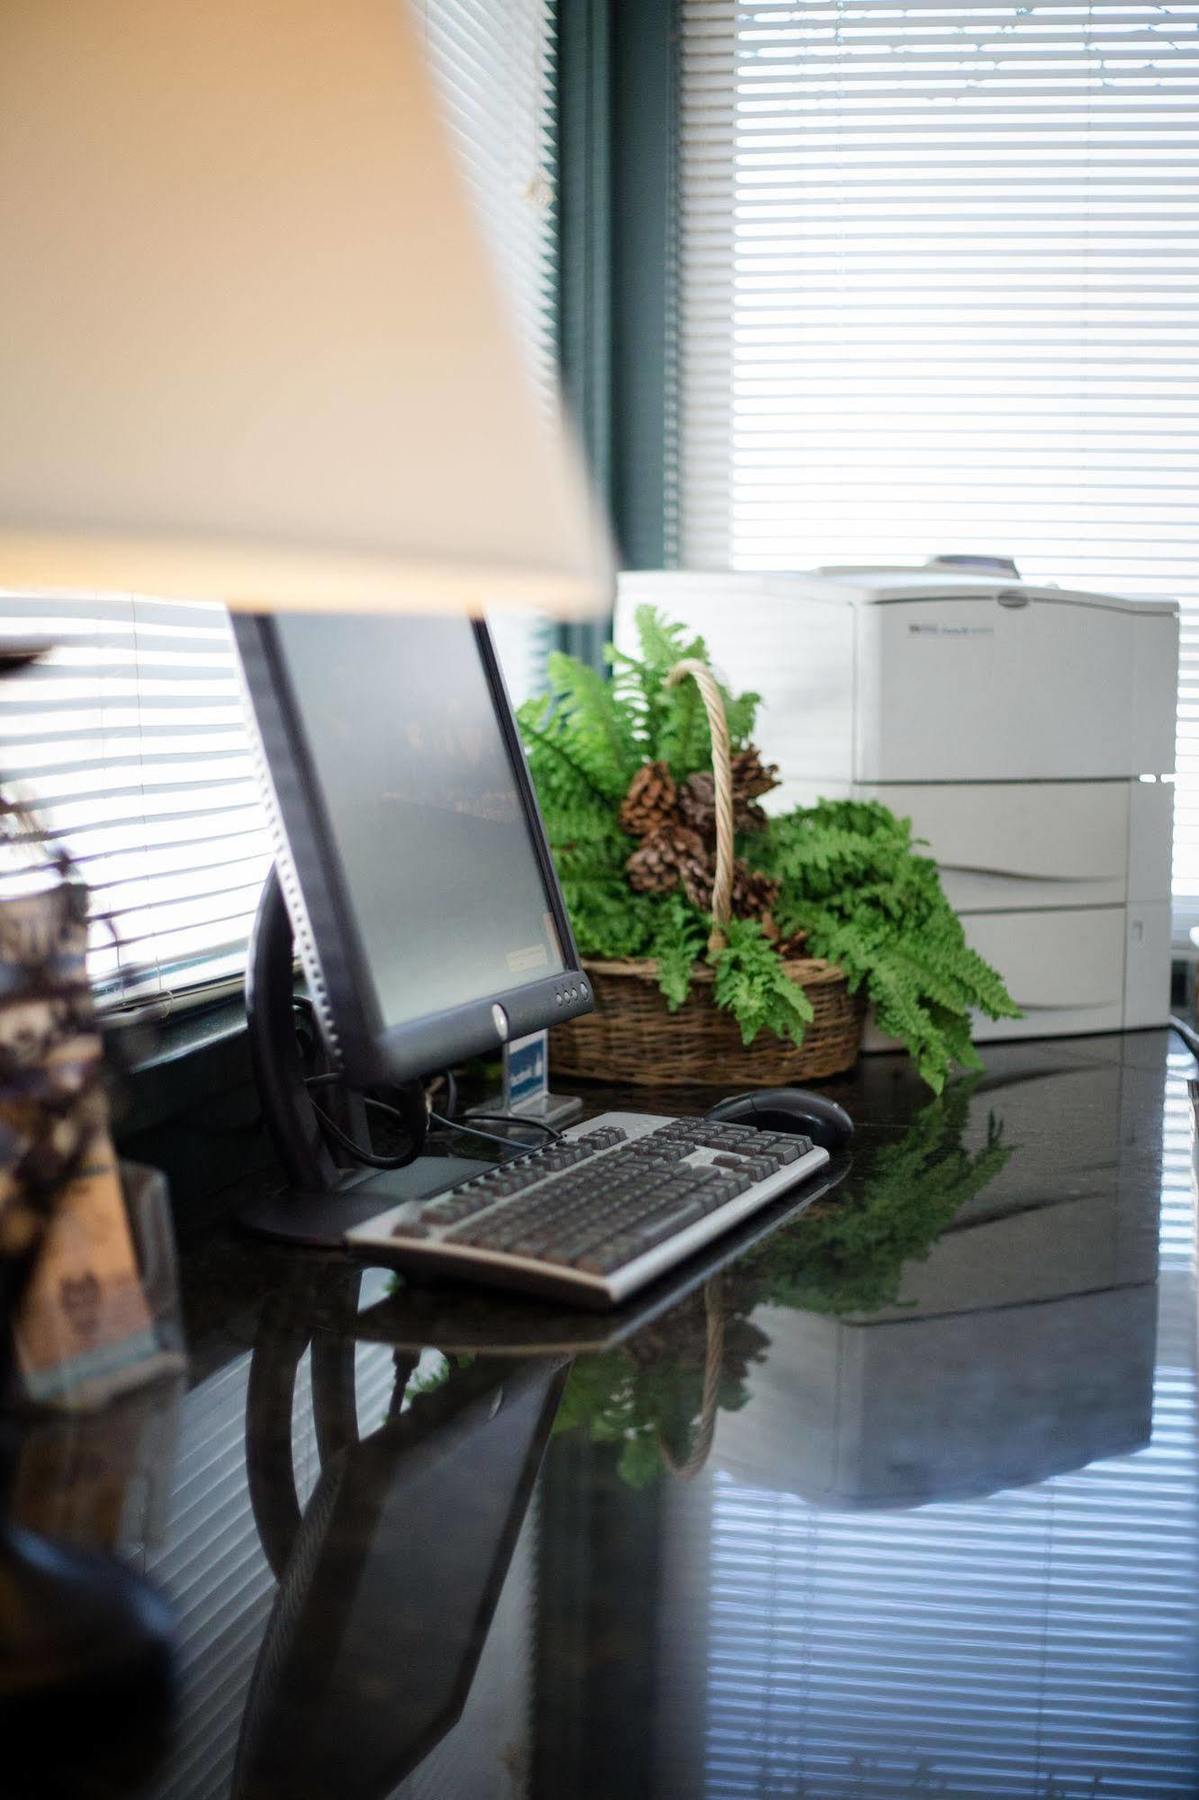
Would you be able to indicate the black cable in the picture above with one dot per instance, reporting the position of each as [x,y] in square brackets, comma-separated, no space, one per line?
[515,1119]
[391,1112]
[369,1157]
[491,1137]
[373,1160]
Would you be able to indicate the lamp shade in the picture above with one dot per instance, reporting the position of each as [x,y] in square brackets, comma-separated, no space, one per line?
[251,345]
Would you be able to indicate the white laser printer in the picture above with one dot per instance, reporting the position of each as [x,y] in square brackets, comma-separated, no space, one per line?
[1027,731]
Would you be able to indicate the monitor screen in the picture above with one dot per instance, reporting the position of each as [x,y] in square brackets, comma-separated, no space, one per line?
[417,859]
[421,797]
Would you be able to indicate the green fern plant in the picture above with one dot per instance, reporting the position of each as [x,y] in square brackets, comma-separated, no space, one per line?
[850,875]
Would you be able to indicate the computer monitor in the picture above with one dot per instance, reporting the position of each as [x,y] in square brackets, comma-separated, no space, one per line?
[419,882]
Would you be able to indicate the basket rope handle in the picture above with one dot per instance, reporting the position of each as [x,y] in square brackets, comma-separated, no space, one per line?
[722,771]
[701,1445]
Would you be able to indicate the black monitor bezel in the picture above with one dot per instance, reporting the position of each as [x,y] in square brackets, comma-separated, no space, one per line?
[326,928]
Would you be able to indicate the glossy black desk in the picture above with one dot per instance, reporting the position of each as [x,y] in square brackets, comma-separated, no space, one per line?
[900,1500]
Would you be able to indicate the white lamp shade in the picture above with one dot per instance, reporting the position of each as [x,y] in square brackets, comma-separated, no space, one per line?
[251,346]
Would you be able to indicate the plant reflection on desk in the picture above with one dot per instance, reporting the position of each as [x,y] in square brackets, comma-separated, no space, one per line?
[846,1254]
[649,1394]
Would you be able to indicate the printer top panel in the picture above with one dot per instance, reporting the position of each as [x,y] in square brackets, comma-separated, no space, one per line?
[887,587]
[871,587]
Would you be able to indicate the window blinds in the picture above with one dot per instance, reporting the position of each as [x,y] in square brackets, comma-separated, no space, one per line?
[936,293]
[1036,1643]
[129,739]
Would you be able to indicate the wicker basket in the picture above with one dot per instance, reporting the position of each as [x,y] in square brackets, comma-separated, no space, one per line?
[631,1037]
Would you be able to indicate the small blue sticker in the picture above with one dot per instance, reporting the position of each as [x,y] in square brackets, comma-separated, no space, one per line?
[526,1068]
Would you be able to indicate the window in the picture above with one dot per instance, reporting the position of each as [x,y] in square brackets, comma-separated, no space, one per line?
[129,737]
[936,293]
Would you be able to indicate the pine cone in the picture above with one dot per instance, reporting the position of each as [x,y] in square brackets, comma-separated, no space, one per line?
[668,855]
[753,893]
[699,879]
[650,800]
[795,945]
[697,803]
[752,897]
[697,807]
[751,776]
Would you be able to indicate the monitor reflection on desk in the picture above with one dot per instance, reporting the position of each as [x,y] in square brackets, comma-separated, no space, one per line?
[390,1589]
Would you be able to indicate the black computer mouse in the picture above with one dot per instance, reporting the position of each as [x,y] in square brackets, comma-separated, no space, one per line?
[789,1109]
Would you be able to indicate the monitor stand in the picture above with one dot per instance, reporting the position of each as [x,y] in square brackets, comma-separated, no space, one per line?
[323,1196]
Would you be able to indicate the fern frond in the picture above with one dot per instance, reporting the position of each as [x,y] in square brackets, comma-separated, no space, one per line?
[598,733]
[608,919]
[678,943]
[663,643]
[752,983]
[636,687]
[678,724]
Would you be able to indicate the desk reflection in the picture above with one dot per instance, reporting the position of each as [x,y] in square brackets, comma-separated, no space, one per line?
[878,1489]
[390,1576]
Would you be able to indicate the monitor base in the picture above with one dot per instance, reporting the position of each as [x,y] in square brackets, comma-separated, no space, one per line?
[319,1220]
[544,1109]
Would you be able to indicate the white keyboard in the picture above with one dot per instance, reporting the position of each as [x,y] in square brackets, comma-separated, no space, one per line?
[599,1213]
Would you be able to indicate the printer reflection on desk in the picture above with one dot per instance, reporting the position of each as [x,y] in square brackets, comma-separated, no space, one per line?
[1021,1346]
[1025,730]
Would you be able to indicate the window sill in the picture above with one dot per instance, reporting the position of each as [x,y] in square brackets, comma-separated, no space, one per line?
[173,1040]
[175,1069]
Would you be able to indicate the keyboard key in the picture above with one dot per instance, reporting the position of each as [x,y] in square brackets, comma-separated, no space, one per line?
[789,1150]
[784,1146]
[603,1137]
